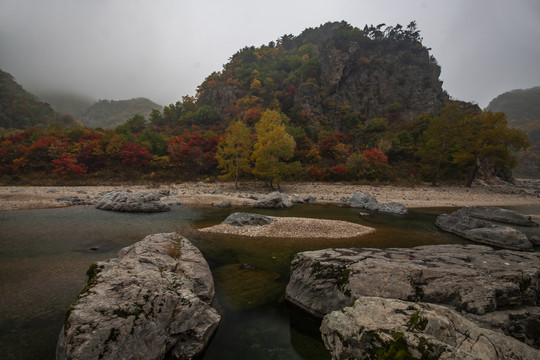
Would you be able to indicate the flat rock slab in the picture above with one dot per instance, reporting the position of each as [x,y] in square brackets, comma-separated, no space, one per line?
[274,200]
[497,214]
[151,301]
[143,201]
[389,327]
[469,278]
[484,232]
[368,202]
[247,219]
[293,227]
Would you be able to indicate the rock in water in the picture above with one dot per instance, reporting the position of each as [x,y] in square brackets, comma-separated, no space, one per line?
[368,202]
[149,201]
[484,232]
[246,219]
[274,200]
[497,214]
[388,327]
[472,279]
[151,301]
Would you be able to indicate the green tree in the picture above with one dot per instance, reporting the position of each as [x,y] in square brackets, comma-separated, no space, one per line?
[486,141]
[273,148]
[234,152]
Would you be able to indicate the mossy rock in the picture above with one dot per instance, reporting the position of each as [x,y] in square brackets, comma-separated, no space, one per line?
[243,287]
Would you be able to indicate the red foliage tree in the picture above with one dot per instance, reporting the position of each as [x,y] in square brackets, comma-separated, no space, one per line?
[67,164]
[135,155]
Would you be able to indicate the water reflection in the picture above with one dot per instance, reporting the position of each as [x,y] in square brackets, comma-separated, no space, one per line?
[44,255]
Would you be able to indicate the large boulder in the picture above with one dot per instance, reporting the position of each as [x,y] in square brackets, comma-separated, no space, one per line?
[274,200]
[151,301]
[472,279]
[483,231]
[143,201]
[398,329]
[247,219]
[368,202]
[497,214]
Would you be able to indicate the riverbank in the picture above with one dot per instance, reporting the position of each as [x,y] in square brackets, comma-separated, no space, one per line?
[208,194]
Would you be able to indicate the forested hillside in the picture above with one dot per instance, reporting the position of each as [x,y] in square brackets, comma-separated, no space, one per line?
[20,110]
[108,114]
[334,103]
[522,108]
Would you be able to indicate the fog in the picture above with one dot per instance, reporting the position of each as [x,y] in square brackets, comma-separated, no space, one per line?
[163,49]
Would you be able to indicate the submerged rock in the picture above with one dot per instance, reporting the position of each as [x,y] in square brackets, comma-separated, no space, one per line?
[368,202]
[145,201]
[484,232]
[247,219]
[274,200]
[151,301]
[497,214]
[388,327]
[472,279]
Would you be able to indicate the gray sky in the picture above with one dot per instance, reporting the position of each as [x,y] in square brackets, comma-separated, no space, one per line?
[163,49]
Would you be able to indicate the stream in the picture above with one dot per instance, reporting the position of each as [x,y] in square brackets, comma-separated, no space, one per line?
[44,255]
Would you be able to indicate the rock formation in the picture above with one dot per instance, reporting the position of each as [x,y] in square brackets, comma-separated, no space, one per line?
[144,201]
[497,214]
[245,219]
[274,200]
[151,301]
[483,232]
[392,328]
[368,202]
[472,279]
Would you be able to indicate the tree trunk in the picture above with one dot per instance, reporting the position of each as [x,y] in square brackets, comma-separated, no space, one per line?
[236,175]
[473,175]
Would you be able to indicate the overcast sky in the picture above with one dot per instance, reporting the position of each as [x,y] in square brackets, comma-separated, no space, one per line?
[163,49]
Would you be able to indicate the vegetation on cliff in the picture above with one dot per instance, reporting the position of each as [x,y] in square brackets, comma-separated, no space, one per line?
[335,103]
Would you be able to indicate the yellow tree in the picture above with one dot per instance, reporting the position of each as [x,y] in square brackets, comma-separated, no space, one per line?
[273,149]
[234,152]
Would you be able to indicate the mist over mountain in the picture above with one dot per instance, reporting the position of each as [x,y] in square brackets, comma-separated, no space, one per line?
[522,109]
[108,114]
[66,102]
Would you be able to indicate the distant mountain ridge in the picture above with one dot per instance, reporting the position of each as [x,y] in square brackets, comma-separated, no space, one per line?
[20,110]
[522,109]
[111,113]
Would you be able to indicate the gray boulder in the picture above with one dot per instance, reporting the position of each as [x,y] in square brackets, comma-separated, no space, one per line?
[472,279]
[368,202]
[483,232]
[388,327]
[145,201]
[497,214]
[247,219]
[274,200]
[151,301]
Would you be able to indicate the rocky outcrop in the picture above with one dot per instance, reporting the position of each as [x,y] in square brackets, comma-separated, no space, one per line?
[497,214]
[368,202]
[483,232]
[144,201]
[388,327]
[472,279]
[274,200]
[151,301]
[247,219]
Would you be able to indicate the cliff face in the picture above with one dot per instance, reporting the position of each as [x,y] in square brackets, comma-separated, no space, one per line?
[327,72]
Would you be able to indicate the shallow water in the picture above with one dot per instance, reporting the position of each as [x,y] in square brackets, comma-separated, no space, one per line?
[44,255]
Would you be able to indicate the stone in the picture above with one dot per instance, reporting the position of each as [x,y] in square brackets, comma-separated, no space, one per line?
[225,204]
[535,240]
[151,301]
[149,201]
[497,214]
[73,200]
[388,327]
[274,200]
[247,219]
[484,232]
[310,199]
[472,279]
[368,202]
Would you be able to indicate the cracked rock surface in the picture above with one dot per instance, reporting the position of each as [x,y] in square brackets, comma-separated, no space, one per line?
[375,325]
[141,201]
[475,280]
[151,301]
